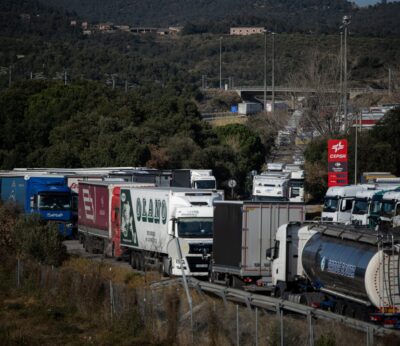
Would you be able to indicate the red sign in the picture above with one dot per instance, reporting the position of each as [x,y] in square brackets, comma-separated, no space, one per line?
[337,162]
[337,150]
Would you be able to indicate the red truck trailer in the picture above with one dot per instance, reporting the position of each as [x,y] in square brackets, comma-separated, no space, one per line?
[98,215]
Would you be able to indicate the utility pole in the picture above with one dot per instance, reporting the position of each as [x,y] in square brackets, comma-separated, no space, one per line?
[265,71]
[390,82]
[341,77]
[346,23]
[273,75]
[65,77]
[220,62]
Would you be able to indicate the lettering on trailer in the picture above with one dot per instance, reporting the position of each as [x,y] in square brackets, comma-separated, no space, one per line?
[151,211]
[338,267]
[88,205]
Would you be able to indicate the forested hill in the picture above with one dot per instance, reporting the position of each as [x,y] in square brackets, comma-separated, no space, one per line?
[320,16]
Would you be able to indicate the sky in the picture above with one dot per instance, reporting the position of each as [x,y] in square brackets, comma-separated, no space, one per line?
[367,2]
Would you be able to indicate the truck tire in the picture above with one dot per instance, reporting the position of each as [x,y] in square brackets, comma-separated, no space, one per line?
[165,267]
[132,259]
[142,261]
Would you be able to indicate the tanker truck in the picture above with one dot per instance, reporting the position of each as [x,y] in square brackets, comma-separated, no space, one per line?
[170,228]
[351,271]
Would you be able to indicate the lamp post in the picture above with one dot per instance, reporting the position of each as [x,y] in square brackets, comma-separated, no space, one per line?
[273,75]
[220,62]
[265,70]
[341,77]
[346,22]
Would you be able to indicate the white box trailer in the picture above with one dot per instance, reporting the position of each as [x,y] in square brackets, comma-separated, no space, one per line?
[156,222]
[244,232]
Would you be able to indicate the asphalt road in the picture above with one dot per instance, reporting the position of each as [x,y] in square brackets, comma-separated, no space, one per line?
[74,247]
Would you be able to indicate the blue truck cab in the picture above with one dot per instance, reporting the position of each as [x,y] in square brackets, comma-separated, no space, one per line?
[49,196]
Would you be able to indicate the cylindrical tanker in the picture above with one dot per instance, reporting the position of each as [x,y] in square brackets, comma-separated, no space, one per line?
[352,268]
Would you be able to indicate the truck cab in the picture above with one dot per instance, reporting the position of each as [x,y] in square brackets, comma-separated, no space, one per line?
[390,208]
[192,226]
[45,195]
[286,254]
[194,179]
[361,210]
[338,202]
[202,179]
[271,186]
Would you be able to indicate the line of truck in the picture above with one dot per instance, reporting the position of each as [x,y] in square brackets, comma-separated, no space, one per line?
[257,246]
[364,204]
[280,182]
[52,193]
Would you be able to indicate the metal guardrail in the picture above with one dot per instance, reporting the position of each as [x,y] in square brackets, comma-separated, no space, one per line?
[277,305]
[307,90]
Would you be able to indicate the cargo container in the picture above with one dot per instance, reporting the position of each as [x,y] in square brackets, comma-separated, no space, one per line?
[247,108]
[171,228]
[250,229]
[98,215]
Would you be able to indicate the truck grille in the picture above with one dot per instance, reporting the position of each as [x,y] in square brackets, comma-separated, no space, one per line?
[200,248]
[198,264]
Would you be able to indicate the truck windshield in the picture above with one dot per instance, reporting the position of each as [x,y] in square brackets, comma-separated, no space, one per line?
[387,208]
[205,184]
[330,204]
[195,227]
[360,207]
[375,207]
[54,201]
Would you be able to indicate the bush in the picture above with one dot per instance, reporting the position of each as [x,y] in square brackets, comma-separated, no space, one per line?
[32,238]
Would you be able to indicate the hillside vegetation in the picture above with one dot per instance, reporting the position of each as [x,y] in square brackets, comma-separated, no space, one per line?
[320,16]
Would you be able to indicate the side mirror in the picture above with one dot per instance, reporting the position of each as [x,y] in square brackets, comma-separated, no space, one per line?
[32,202]
[171,227]
[269,253]
[344,205]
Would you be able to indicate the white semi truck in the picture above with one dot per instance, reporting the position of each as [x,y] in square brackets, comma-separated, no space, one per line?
[271,186]
[338,202]
[194,178]
[168,227]
[390,208]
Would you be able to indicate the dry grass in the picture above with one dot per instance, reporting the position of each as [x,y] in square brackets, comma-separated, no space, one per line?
[227,121]
[76,305]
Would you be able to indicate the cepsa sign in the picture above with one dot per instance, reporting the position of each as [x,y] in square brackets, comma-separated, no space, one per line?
[337,162]
[337,150]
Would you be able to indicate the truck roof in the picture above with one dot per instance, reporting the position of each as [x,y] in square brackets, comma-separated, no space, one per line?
[391,195]
[367,193]
[115,182]
[348,191]
[181,190]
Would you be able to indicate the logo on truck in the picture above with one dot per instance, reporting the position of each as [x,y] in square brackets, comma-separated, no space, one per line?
[151,210]
[88,204]
[128,227]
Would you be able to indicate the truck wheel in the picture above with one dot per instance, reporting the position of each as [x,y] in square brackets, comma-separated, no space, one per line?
[142,261]
[166,267]
[132,259]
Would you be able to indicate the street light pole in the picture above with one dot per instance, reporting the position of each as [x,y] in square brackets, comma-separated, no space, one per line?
[273,75]
[265,71]
[346,23]
[220,62]
[341,77]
